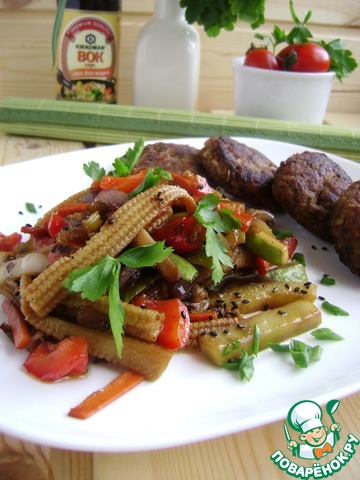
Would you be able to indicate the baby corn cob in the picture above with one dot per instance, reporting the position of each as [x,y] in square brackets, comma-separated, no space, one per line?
[46,290]
[139,322]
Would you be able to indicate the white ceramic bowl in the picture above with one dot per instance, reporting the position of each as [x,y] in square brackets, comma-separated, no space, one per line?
[301,97]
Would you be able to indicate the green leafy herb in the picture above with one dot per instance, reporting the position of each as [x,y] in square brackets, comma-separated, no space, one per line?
[341,60]
[326,334]
[333,309]
[93,170]
[217,16]
[281,234]
[30,207]
[123,165]
[152,177]
[327,280]
[300,258]
[215,222]
[256,340]
[301,353]
[103,276]
[231,347]
[246,367]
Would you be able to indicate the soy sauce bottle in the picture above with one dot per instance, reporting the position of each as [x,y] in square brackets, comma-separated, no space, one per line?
[88,51]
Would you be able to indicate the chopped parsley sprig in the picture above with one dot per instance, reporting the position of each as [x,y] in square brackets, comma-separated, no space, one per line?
[122,166]
[215,221]
[102,277]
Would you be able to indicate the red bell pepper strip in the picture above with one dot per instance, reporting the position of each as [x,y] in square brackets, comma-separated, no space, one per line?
[185,234]
[69,208]
[18,324]
[101,398]
[203,316]
[55,225]
[9,242]
[262,265]
[196,185]
[125,184]
[176,327]
[51,361]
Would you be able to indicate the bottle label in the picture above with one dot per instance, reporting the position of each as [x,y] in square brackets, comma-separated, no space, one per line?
[87,56]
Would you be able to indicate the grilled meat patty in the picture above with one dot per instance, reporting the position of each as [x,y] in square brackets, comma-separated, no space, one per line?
[174,157]
[307,186]
[345,227]
[241,171]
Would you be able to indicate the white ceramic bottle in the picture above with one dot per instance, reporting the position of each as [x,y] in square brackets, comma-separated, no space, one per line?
[167,60]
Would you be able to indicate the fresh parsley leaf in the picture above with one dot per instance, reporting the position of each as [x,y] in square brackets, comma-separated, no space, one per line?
[96,280]
[92,281]
[215,222]
[152,178]
[333,309]
[341,60]
[218,16]
[299,34]
[93,170]
[123,165]
[216,250]
[326,334]
[145,256]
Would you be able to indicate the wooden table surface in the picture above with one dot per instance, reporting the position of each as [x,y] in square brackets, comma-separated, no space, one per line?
[242,456]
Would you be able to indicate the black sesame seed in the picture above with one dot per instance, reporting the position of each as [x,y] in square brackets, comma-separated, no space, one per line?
[321,297]
[281,312]
[226,330]
[183,314]
[287,286]
[297,289]
[246,300]
[213,334]
[304,292]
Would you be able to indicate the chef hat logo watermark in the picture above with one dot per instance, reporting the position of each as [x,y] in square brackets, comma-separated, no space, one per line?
[312,436]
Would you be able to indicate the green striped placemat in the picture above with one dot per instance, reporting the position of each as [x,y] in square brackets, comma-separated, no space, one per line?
[110,124]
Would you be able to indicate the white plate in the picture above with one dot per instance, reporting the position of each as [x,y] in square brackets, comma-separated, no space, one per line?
[193,400]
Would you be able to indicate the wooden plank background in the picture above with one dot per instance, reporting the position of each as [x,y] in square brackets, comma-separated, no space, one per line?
[25,48]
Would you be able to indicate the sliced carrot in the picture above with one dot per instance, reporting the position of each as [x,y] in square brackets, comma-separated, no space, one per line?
[98,400]
[18,324]
[203,316]
[125,184]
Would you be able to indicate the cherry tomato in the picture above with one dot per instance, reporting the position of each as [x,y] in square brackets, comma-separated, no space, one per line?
[185,234]
[310,58]
[261,58]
